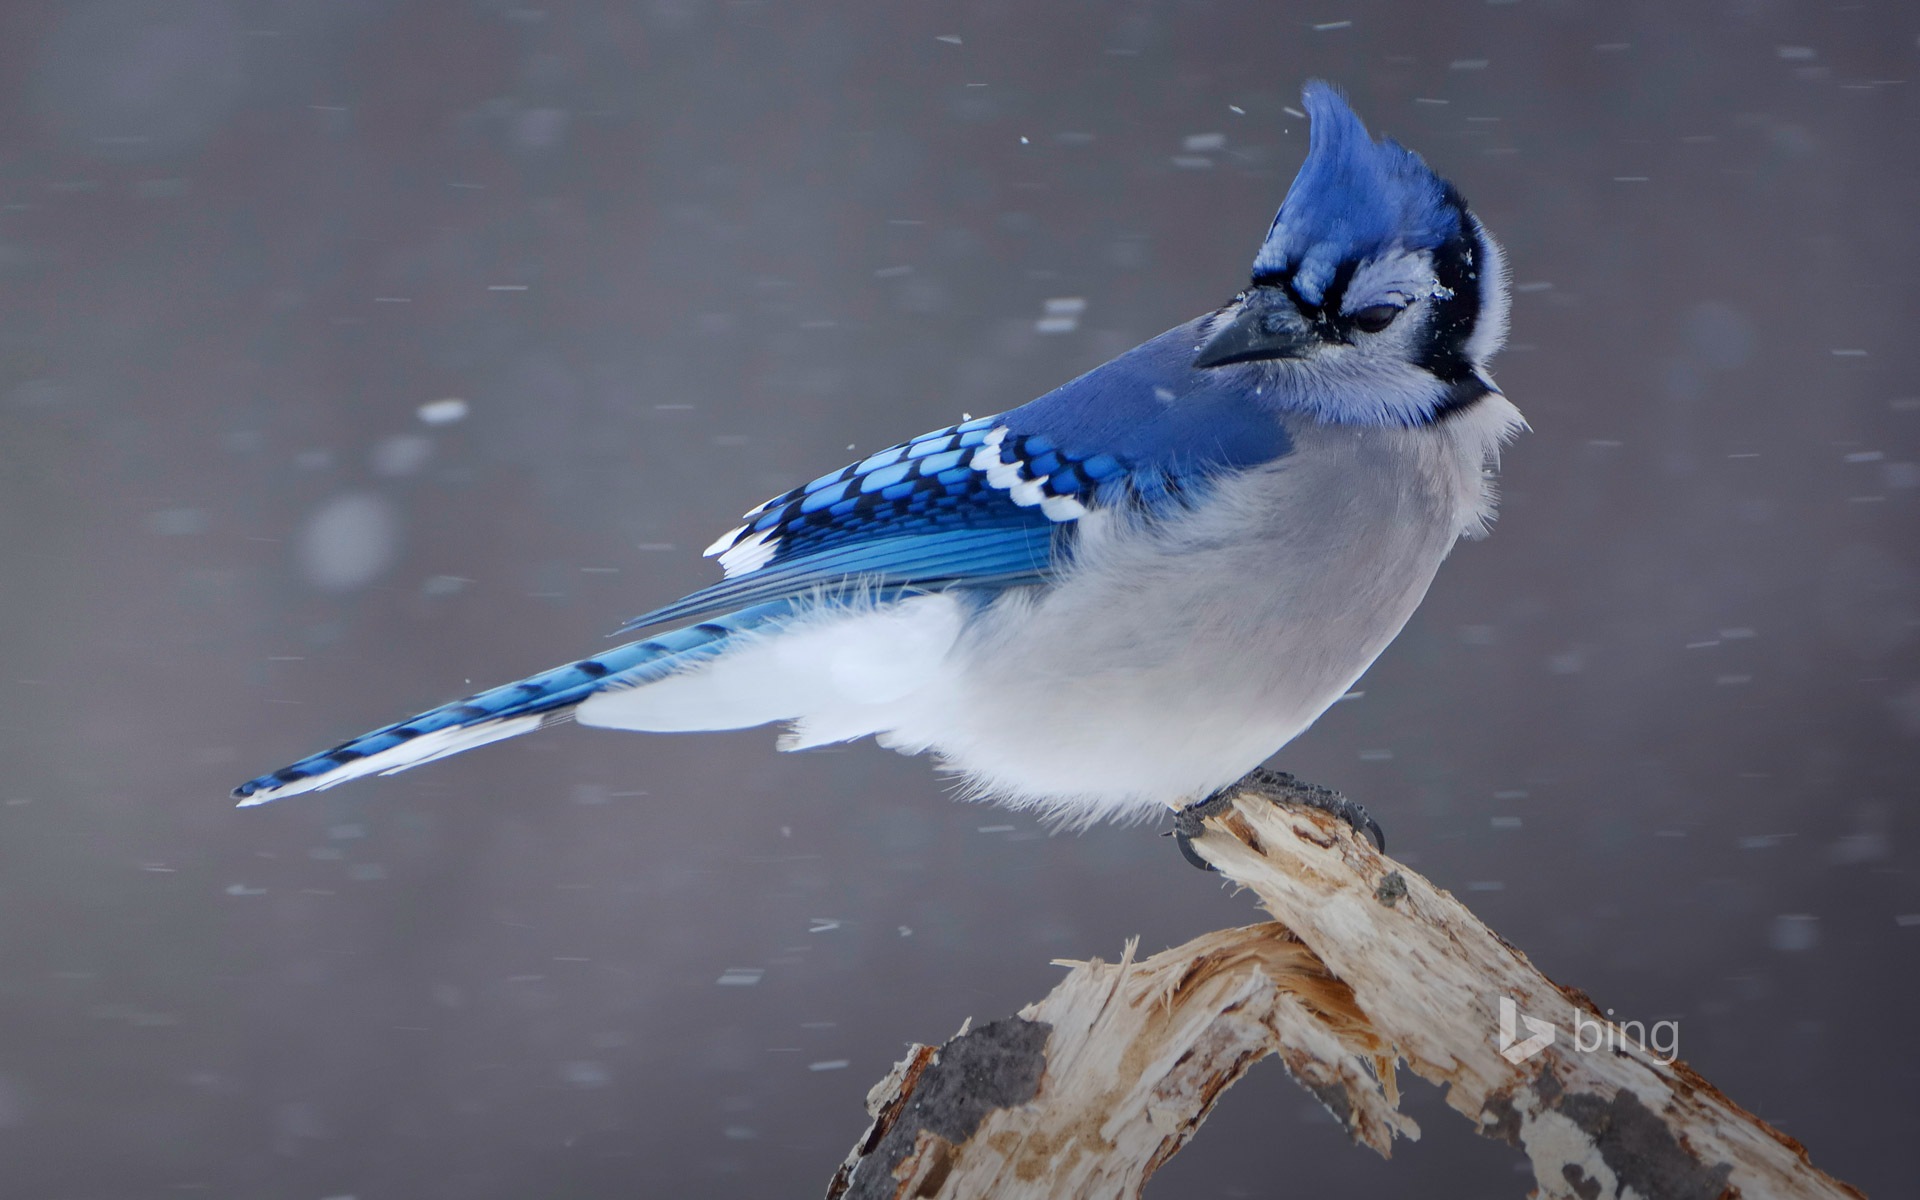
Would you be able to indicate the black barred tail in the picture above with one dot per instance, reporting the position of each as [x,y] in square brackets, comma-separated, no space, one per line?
[503,712]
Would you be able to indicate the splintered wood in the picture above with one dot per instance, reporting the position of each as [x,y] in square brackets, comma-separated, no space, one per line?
[1089,1091]
[1124,1061]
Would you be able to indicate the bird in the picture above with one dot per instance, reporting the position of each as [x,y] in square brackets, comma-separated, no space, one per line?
[1123,596]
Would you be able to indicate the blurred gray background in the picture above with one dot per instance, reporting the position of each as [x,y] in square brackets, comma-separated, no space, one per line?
[674,256]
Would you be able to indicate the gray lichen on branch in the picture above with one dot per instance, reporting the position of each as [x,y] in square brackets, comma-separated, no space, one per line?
[947,1096]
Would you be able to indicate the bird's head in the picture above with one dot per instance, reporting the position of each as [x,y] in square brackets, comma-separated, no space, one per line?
[1377,297]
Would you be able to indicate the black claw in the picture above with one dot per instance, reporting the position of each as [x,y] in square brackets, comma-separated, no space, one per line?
[1190,823]
[1185,842]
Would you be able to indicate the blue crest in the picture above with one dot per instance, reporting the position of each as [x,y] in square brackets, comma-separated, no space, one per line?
[1353,199]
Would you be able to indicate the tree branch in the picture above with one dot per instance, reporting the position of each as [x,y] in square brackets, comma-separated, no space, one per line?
[1089,1091]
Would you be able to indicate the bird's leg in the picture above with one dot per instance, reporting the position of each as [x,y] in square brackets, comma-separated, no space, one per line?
[1280,788]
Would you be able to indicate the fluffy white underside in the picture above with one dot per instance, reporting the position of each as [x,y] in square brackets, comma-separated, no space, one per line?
[839,671]
[1081,742]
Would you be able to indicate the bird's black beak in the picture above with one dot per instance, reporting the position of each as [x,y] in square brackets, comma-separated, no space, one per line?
[1267,325]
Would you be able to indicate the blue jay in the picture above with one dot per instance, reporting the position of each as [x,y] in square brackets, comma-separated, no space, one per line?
[1123,596]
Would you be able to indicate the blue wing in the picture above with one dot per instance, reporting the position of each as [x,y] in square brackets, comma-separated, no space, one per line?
[993,502]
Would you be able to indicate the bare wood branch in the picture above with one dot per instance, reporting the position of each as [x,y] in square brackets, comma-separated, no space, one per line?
[1089,1091]
[1116,1068]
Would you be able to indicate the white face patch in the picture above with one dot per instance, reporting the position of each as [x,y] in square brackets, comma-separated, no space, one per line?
[1490,327]
[1400,278]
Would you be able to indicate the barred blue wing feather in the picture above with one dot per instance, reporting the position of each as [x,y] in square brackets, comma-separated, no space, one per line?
[882,568]
[993,502]
[969,504]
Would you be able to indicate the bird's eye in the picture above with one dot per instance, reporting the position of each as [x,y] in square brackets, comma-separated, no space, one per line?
[1374,317]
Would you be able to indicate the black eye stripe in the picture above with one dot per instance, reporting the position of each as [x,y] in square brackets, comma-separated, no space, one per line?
[1333,300]
[1337,287]
[1455,309]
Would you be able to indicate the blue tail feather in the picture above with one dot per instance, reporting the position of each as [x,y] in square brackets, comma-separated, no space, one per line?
[546,695]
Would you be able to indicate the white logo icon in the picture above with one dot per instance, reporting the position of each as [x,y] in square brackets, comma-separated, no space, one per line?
[1519,1052]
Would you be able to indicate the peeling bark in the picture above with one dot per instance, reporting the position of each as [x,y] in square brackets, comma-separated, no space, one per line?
[997,1066]
[1089,1091]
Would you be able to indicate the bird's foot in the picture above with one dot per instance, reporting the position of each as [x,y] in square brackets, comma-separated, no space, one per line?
[1280,788]
[1190,822]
